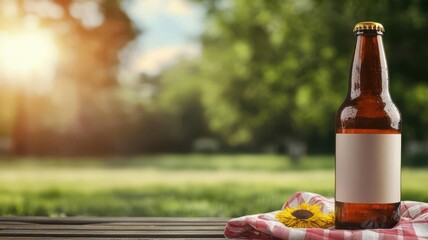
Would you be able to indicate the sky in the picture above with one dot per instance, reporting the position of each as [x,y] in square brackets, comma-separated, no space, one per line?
[170,29]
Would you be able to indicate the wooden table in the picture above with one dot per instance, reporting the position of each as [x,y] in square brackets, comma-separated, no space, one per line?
[111,228]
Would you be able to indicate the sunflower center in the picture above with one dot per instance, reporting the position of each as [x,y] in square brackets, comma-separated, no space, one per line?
[302,214]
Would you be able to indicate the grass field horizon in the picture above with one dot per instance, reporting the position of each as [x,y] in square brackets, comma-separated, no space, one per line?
[169,185]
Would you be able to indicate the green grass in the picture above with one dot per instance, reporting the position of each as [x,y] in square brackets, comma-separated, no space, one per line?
[169,185]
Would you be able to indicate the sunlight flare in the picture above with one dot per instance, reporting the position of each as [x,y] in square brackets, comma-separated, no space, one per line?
[27,56]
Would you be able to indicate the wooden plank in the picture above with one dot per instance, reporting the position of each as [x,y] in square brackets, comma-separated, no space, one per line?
[122,224]
[33,228]
[91,227]
[160,224]
[103,238]
[126,234]
[88,220]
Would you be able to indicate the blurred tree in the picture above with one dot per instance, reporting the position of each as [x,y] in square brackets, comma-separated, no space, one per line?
[275,78]
[93,45]
[180,99]
[84,114]
[279,69]
[271,72]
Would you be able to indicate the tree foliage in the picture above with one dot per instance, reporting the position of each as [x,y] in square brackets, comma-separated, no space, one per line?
[278,69]
[83,114]
[270,71]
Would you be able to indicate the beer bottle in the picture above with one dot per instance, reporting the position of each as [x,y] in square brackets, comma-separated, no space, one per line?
[368,140]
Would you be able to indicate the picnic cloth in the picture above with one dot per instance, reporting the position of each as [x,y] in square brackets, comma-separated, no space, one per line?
[413,223]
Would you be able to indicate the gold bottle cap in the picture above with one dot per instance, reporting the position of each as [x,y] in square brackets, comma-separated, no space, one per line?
[369,26]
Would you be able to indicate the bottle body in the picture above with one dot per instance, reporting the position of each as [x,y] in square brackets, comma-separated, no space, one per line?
[368,143]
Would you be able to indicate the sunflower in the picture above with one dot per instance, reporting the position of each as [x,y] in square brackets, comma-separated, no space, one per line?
[305,216]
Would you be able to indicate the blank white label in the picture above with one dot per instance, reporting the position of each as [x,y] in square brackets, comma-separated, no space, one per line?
[368,168]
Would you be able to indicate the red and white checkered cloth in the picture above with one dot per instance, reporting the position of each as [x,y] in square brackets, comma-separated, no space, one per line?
[413,224]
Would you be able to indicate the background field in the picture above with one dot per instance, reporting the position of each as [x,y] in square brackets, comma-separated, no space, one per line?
[150,78]
[169,185]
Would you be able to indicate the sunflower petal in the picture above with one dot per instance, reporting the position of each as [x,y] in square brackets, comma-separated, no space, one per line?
[317,220]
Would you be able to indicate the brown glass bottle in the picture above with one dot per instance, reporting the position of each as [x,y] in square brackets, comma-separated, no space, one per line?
[368,140]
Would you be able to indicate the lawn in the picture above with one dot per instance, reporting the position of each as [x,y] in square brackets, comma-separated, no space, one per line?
[169,185]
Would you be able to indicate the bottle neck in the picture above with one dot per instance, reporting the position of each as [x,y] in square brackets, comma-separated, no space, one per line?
[369,72]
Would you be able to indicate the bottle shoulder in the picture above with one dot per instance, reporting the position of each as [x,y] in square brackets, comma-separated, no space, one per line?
[368,112]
